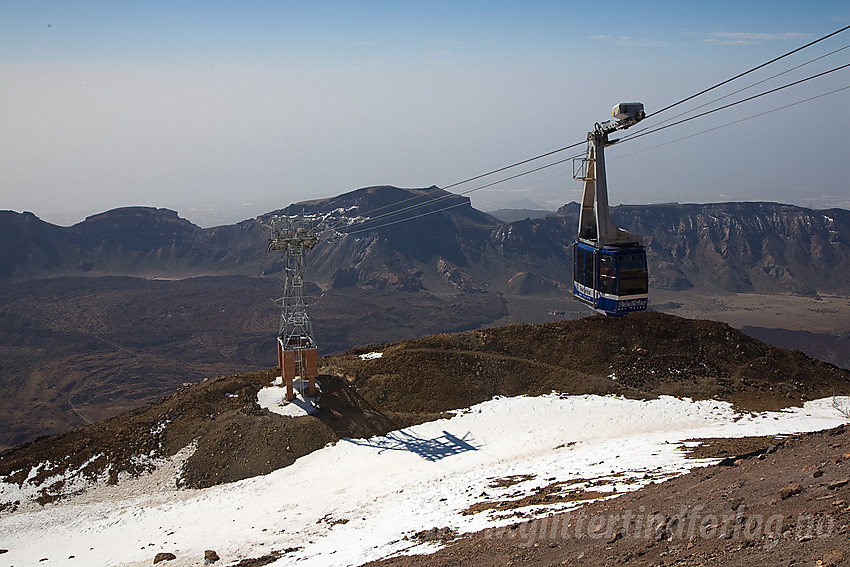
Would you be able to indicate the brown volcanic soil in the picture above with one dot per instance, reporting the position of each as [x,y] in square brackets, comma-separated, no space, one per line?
[649,353]
[642,355]
[76,350]
[787,505]
[235,438]
[79,350]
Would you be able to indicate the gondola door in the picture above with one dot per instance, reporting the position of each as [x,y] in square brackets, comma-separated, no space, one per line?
[585,274]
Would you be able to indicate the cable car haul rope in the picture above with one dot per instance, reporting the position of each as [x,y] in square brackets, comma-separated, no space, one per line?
[609,263]
[396,216]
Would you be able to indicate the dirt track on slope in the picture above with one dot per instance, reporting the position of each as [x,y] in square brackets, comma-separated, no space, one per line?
[639,356]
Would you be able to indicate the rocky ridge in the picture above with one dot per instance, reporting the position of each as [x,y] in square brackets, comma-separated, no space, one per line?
[453,248]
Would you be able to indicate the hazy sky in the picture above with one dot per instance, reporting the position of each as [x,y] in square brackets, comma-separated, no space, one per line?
[224,110]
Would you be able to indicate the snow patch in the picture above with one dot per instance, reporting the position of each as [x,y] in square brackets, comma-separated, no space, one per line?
[371,355]
[73,480]
[164,476]
[160,427]
[273,398]
[380,492]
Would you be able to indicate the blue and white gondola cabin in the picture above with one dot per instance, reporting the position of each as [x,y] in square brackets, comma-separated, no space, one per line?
[610,280]
[609,262]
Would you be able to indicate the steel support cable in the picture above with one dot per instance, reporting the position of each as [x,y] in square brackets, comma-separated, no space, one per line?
[738,76]
[523,162]
[397,221]
[340,222]
[451,195]
[627,138]
[629,135]
[731,104]
[607,159]
[732,123]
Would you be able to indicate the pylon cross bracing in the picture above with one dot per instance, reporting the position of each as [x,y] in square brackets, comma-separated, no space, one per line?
[296,348]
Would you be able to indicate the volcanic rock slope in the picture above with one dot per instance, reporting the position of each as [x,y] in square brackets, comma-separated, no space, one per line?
[118,310]
[77,349]
[643,355]
[743,247]
[445,245]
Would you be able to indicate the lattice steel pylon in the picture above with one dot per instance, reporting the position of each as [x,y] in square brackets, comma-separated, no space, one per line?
[296,348]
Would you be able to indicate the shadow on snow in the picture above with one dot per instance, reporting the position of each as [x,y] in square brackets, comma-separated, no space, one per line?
[439,447]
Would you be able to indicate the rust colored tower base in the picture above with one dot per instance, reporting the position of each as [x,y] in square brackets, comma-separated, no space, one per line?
[299,362]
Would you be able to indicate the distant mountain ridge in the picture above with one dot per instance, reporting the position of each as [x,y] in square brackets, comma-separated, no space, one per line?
[80,341]
[511,215]
[136,241]
[744,247]
[429,239]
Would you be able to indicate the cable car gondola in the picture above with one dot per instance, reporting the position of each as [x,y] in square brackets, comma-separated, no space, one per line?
[610,280]
[609,263]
